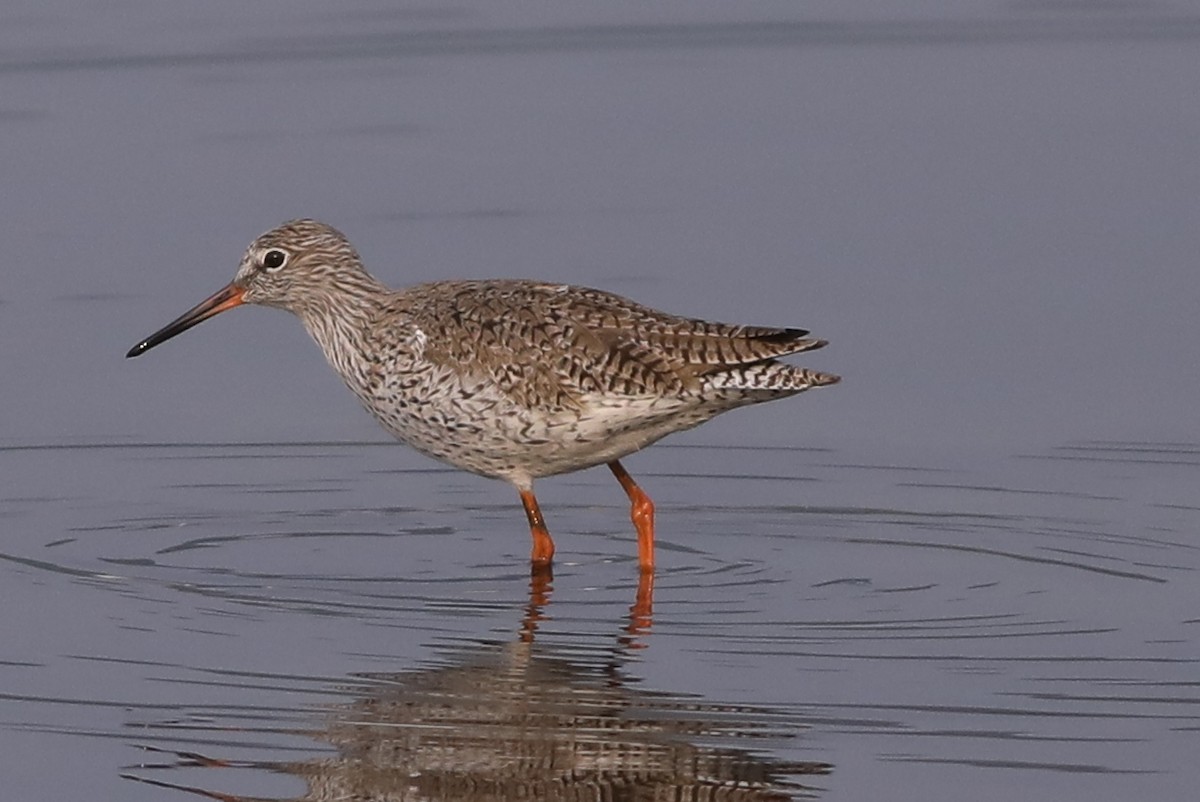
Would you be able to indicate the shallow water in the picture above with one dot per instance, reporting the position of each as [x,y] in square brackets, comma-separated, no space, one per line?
[1025,625]
[971,565]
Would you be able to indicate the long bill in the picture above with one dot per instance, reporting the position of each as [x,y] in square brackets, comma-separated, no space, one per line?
[227,297]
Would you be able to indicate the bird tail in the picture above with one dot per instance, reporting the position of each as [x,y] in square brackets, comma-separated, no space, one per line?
[767,379]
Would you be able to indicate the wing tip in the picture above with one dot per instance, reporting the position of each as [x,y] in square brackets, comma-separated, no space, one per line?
[793,339]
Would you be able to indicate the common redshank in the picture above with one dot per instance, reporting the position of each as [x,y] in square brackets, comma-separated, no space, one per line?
[510,379]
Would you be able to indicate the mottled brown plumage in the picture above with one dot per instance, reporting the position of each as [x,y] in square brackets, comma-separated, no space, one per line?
[511,379]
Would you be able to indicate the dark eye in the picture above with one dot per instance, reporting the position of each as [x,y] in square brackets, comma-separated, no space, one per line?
[274,259]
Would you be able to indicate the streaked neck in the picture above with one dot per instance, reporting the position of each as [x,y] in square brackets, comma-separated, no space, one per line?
[339,320]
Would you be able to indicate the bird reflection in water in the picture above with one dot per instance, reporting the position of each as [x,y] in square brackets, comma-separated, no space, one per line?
[523,720]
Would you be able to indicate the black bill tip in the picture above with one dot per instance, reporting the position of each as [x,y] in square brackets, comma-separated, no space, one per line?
[227,297]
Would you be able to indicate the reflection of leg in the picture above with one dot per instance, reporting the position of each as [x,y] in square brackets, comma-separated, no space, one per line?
[540,586]
[642,513]
[543,545]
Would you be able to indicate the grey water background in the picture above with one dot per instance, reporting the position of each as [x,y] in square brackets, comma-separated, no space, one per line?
[972,565]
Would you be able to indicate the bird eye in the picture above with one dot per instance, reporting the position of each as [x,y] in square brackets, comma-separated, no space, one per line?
[274,259]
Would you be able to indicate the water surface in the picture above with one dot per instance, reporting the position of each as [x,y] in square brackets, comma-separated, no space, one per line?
[970,565]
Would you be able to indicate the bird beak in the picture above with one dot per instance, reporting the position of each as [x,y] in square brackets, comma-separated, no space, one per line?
[227,297]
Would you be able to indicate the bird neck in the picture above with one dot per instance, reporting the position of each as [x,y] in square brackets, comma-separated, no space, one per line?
[339,321]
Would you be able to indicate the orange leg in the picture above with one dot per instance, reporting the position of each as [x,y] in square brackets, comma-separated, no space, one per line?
[543,544]
[642,513]
[642,611]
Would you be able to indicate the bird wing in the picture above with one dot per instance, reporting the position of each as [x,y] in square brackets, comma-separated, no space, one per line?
[688,346]
[553,345]
[504,333]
